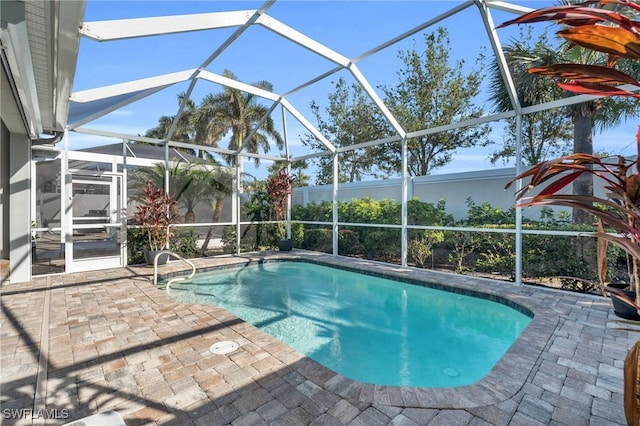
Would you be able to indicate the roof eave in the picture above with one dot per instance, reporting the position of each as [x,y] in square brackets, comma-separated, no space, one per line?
[68,17]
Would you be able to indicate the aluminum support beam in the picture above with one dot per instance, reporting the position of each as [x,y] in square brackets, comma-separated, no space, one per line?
[334,202]
[313,81]
[414,30]
[300,39]
[238,85]
[518,242]
[507,7]
[120,29]
[461,124]
[571,100]
[166,168]
[256,128]
[370,143]
[285,135]
[360,78]
[515,101]
[183,104]
[125,197]
[237,207]
[405,200]
[314,155]
[496,46]
[310,127]
[154,141]
[236,34]
[66,203]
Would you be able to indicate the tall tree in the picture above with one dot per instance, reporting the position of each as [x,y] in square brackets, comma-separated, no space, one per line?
[236,113]
[545,134]
[180,178]
[351,118]
[187,183]
[297,171]
[430,92]
[599,114]
[184,130]
[219,181]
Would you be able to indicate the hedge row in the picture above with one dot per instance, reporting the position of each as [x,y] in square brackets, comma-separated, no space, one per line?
[559,261]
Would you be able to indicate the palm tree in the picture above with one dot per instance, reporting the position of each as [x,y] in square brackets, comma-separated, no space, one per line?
[297,171]
[600,114]
[235,112]
[218,181]
[185,130]
[545,134]
[185,184]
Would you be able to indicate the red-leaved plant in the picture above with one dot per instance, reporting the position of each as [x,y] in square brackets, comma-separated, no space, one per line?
[617,36]
[279,187]
[156,212]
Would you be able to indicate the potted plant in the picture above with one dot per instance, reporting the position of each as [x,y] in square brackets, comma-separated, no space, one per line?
[617,36]
[279,187]
[156,212]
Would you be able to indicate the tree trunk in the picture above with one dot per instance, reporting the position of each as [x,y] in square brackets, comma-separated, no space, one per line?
[217,213]
[583,143]
[240,164]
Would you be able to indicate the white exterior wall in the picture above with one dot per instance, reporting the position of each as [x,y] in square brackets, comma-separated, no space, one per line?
[19,208]
[454,188]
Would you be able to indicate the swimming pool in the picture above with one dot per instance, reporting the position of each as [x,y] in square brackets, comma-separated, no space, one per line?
[367,328]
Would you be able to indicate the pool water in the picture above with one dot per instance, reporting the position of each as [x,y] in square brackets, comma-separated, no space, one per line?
[366,328]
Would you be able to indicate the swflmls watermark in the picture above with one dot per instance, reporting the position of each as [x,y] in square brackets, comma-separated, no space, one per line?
[29,413]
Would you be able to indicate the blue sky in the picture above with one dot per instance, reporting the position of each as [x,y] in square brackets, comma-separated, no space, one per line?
[348,27]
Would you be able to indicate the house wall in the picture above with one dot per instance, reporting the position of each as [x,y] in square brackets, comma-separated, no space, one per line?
[15,198]
[19,207]
[4,192]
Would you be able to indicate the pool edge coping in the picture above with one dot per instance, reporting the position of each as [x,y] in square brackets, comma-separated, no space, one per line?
[502,382]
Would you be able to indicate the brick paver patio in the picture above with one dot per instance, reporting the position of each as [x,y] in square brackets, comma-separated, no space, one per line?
[78,344]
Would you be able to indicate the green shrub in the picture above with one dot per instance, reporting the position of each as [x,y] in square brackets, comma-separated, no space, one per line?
[318,239]
[486,214]
[297,234]
[428,214]
[137,242]
[382,244]
[420,246]
[183,242]
[462,245]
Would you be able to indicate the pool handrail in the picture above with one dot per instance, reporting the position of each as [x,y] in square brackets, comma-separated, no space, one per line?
[172,280]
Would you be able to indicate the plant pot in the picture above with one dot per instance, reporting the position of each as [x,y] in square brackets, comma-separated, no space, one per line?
[620,308]
[149,255]
[285,245]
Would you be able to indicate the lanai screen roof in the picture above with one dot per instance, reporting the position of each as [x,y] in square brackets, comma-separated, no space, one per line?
[259,30]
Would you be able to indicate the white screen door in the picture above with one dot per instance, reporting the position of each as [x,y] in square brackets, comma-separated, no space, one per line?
[96,208]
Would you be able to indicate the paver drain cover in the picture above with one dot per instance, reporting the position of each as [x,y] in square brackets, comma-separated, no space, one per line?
[223,348]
